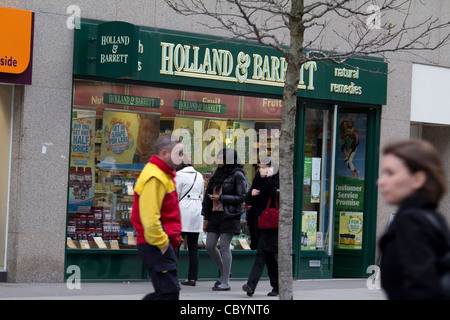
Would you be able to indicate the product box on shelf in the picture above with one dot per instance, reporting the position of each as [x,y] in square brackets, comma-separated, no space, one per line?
[89,229]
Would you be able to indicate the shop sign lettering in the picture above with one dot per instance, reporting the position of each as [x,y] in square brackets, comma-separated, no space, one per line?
[197,106]
[217,64]
[127,100]
[346,88]
[10,62]
[115,42]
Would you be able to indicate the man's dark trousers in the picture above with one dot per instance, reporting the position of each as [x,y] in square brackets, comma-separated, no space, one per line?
[162,270]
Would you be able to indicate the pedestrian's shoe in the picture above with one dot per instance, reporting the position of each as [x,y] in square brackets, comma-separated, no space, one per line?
[220,287]
[247,289]
[188,283]
[272,293]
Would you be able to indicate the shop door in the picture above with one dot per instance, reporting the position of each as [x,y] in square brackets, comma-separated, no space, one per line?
[6,94]
[314,192]
[355,191]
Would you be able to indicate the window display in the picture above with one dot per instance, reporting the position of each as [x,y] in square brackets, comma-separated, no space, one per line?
[114,127]
[315,216]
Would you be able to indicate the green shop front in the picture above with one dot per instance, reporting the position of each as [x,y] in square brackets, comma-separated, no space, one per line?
[133,83]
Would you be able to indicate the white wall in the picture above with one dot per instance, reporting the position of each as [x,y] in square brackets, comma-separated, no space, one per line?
[430,94]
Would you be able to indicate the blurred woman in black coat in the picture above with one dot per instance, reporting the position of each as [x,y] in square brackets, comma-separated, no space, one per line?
[264,187]
[223,206]
[413,179]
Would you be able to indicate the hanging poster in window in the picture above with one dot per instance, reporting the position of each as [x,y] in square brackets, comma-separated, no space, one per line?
[243,138]
[307,180]
[315,180]
[190,130]
[307,174]
[315,170]
[213,139]
[350,168]
[309,230]
[82,161]
[350,230]
[128,139]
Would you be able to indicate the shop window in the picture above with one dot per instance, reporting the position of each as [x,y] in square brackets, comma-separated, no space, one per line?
[315,219]
[114,128]
[317,222]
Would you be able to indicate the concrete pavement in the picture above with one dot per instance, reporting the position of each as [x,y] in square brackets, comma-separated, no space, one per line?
[332,289]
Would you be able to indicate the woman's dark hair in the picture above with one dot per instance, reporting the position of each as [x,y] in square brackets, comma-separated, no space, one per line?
[185,163]
[419,155]
[230,157]
[231,162]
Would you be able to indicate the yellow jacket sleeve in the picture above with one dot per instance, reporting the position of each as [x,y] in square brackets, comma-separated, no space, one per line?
[150,203]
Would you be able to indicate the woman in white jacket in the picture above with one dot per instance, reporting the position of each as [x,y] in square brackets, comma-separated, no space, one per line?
[190,185]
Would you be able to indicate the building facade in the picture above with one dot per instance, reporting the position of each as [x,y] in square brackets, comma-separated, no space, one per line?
[70,102]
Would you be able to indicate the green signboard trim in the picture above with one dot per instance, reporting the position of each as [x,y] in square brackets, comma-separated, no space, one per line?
[195,60]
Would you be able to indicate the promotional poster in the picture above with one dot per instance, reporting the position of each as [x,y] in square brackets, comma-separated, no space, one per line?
[128,139]
[350,174]
[82,160]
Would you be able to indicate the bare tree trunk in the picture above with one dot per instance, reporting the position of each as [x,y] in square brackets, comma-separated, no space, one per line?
[295,59]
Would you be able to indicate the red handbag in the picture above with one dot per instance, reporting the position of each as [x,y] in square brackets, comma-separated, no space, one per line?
[269,217]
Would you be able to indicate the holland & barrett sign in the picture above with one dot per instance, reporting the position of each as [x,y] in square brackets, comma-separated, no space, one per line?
[195,60]
[117,49]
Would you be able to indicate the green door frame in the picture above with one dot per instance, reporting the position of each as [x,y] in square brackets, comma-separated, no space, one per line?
[341,263]
[299,168]
[322,263]
[354,263]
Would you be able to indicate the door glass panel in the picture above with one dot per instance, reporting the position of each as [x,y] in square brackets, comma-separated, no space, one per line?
[350,173]
[6,95]
[316,186]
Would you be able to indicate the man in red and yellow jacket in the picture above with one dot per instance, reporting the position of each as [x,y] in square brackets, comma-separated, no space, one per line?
[156,218]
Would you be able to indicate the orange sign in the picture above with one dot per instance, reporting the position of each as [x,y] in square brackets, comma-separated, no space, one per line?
[15,40]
